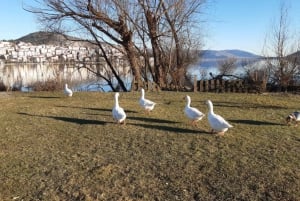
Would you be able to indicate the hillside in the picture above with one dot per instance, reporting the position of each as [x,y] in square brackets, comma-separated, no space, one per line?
[295,54]
[51,38]
[210,58]
[43,37]
[223,54]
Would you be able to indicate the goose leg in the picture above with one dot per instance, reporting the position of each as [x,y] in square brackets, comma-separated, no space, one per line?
[221,133]
[195,124]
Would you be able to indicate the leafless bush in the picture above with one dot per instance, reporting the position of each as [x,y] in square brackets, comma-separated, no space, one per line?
[51,85]
[2,86]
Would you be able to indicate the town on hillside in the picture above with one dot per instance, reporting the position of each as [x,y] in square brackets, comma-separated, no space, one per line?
[22,63]
[11,52]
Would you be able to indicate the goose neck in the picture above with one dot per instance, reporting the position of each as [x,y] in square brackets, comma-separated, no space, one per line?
[210,108]
[143,94]
[116,101]
[188,101]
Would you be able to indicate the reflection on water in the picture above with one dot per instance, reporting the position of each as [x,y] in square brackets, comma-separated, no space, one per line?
[24,75]
[203,73]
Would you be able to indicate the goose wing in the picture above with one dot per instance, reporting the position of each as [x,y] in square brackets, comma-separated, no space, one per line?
[68,92]
[217,122]
[118,113]
[297,115]
[146,103]
[193,113]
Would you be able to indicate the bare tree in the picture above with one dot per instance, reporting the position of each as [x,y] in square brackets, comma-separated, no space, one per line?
[280,43]
[226,68]
[179,17]
[203,74]
[169,28]
[103,21]
[128,24]
[255,77]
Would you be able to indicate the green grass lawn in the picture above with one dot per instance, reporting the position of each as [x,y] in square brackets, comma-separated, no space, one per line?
[58,148]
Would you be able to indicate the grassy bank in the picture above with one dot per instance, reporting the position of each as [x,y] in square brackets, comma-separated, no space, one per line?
[58,148]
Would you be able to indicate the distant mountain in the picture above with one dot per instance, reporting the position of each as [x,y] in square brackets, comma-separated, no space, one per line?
[295,54]
[224,54]
[210,58]
[50,38]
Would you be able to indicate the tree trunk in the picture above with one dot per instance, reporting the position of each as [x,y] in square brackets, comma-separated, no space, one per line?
[133,61]
[157,54]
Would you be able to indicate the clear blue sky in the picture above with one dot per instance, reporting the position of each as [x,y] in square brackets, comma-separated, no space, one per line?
[232,24]
[243,24]
[15,21]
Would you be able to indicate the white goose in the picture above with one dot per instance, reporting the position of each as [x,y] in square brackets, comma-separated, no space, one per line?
[68,91]
[217,123]
[118,113]
[293,117]
[148,105]
[192,113]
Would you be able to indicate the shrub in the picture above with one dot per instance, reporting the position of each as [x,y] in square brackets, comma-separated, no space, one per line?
[50,85]
[2,86]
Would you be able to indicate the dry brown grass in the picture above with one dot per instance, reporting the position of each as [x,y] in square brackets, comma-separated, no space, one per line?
[58,148]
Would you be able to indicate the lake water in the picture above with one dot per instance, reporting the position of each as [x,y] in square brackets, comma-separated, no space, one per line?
[202,73]
[24,75]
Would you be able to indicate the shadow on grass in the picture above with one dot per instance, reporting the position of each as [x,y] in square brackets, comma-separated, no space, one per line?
[152,120]
[171,129]
[46,97]
[245,105]
[77,120]
[254,122]
[147,126]
[69,119]
[95,109]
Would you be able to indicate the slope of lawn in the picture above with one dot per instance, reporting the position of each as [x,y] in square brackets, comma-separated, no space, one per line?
[58,148]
